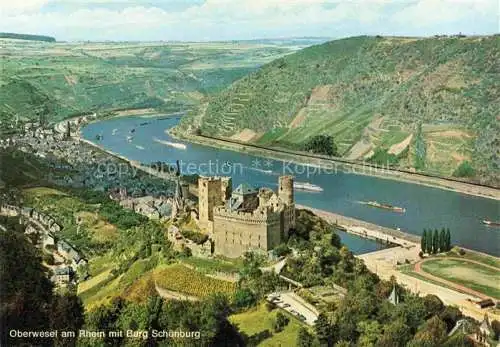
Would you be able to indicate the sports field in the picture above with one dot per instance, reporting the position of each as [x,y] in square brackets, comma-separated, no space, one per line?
[475,276]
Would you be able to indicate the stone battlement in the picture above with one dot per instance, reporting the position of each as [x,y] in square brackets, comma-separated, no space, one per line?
[259,216]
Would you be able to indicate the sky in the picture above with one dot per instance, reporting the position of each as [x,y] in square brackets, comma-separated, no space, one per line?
[212,20]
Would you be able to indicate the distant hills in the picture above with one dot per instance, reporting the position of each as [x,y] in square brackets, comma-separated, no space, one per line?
[429,104]
[50,82]
[28,37]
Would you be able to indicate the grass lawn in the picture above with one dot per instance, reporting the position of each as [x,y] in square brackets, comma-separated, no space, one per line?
[93,281]
[480,257]
[43,191]
[259,319]
[473,276]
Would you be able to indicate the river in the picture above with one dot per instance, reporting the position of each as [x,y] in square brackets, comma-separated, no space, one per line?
[426,207]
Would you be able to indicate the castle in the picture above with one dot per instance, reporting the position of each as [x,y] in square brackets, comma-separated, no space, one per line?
[245,219]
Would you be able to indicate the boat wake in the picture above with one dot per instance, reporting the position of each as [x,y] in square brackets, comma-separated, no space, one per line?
[268,172]
[171,144]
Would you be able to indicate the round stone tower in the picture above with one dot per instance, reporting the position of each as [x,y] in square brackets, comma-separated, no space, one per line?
[285,190]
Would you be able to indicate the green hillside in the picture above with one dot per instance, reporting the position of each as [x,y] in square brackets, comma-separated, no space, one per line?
[429,104]
[57,80]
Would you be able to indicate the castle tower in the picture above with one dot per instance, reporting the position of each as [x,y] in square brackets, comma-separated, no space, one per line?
[285,190]
[209,196]
[264,196]
[226,187]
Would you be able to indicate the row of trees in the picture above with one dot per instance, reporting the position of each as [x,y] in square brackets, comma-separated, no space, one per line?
[435,242]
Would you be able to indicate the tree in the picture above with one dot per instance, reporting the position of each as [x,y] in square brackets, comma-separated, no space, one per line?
[304,338]
[105,318]
[66,315]
[396,333]
[370,332]
[458,340]
[244,298]
[321,144]
[428,242]
[465,169]
[433,305]
[451,315]
[423,241]
[323,330]
[26,293]
[48,258]
[281,250]
[495,326]
[442,240]
[448,239]
[433,333]
[435,242]
[68,130]
[281,322]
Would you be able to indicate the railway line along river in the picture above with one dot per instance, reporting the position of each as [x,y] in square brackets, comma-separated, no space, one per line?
[145,140]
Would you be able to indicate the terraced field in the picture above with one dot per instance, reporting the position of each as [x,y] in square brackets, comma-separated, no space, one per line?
[180,278]
[443,92]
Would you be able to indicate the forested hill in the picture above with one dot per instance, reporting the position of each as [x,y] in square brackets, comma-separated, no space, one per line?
[28,37]
[429,104]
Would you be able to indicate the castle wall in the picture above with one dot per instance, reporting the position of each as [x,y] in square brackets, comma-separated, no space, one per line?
[237,232]
[288,220]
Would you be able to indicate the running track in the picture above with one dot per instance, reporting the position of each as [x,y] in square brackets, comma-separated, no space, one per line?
[456,286]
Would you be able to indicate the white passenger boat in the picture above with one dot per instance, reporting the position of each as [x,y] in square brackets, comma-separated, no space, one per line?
[307,186]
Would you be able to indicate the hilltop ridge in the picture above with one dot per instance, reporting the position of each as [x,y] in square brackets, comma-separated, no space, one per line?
[427,104]
[28,37]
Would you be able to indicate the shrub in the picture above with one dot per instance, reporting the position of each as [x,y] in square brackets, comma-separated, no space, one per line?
[244,298]
[321,144]
[281,322]
[281,250]
[270,306]
[465,169]
[194,236]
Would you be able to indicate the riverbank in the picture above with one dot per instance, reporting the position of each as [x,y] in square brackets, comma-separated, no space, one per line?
[334,165]
[367,230]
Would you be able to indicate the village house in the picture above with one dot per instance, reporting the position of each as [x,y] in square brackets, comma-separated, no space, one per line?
[30,229]
[48,240]
[69,253]
[55,228]
[62,276]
